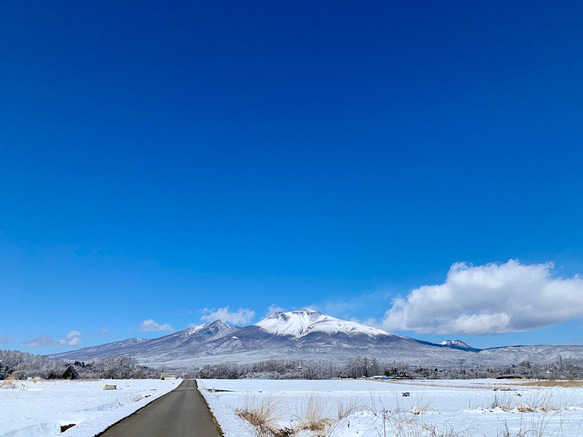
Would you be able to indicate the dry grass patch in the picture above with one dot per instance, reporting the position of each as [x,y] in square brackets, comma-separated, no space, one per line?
[8,382]
[536,402]
[402,424]
[346,407]
[571,383]
[536,428]
[262,414]
[312,415]
[421,407]
[265,414]
[506,402]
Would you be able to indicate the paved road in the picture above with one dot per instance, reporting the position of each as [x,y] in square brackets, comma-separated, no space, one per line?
[180,413]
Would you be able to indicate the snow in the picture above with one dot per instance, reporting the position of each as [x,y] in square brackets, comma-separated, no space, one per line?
[458,343]
[29,409]
[378,408]
[374,408]
[302,322]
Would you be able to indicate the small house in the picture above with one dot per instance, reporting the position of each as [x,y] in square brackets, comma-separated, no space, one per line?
[168,376]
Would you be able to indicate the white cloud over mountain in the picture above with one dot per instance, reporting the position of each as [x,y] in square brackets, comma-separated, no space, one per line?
[272,309]
[151,326]
[489,299]
[240,317]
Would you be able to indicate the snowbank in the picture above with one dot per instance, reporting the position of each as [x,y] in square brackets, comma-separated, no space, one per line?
[40,409]
[372,408]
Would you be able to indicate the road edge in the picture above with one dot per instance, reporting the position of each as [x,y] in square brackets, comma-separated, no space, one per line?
[215,421]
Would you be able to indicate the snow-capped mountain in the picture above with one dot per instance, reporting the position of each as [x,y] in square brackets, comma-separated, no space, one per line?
[309,335]
[302,334]
[303,322]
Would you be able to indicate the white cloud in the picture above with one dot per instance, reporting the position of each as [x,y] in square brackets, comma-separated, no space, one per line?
[72,339]
[42,340]
[74,334]
[240,317]
[102,331]
[489,299]
[372,322]
[151,326]
[5,339]
[272,309]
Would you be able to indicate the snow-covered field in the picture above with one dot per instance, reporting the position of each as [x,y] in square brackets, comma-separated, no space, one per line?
[39,409]
[336,408]
[366,408]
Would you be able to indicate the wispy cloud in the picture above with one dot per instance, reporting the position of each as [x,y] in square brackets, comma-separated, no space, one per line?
[242,316]
[5,339]
[72,339]
[272,309]
[359,303]
[151,326]
[489,299]
[42,340]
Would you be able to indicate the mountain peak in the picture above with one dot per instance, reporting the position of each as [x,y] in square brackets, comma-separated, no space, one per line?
[456,343]
[302,322]
[304,313]
[216,326]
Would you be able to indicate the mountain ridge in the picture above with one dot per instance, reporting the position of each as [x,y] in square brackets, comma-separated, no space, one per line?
[313,336]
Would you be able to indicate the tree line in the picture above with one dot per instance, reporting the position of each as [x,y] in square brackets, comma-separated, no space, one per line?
[22,365]
[363,367]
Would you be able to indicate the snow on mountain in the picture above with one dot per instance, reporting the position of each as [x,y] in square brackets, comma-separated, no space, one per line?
[214,329]
[303,322]
[309,335]
[181,343]
[129,342]
[456,344]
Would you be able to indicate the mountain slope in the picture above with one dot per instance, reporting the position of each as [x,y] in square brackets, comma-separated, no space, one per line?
[101,351]
[303,334]
[172,345]
[309,335]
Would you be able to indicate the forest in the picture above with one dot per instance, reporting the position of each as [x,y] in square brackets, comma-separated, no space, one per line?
[21,365]
[363,367]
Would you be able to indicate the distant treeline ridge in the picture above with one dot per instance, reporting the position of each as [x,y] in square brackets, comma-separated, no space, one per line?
[21,365]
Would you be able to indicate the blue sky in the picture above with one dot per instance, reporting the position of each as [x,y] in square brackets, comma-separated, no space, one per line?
[165,163]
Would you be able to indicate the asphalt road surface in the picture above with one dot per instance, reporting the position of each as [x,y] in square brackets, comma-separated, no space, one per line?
[180,413]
